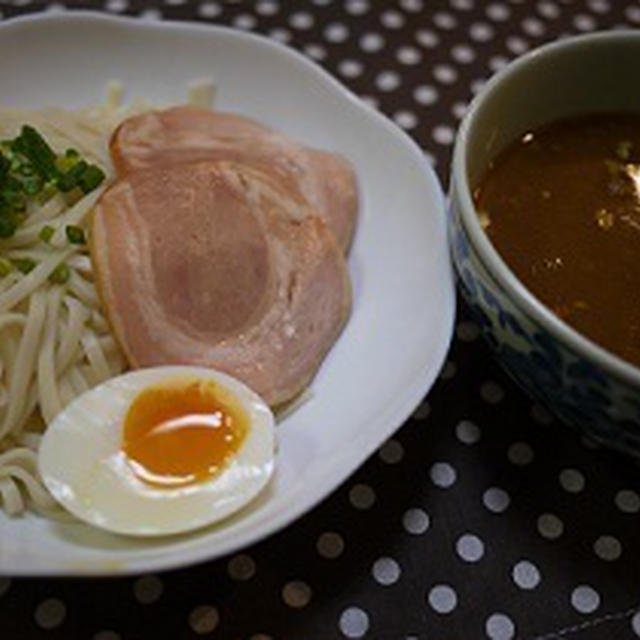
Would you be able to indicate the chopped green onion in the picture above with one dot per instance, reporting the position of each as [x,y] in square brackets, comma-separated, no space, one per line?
[46,233]
[34,147]
[75,235]
[69,180]
[91,178]
[5,267]
[60,274]
[24,265]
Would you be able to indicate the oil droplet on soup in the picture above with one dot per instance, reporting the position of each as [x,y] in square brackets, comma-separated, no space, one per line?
[562,207]
[182,432]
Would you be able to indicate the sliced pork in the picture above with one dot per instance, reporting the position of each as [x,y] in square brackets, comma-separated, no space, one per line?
[213,264]
[188,134]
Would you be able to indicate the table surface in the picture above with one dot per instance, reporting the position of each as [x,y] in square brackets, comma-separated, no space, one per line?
[482,517]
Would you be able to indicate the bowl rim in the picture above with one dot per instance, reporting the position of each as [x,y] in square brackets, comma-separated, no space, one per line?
[488,254]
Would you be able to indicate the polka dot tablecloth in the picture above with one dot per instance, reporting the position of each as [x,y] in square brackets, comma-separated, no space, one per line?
[482,517]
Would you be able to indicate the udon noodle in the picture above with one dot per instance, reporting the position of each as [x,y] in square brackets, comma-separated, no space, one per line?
[55,342]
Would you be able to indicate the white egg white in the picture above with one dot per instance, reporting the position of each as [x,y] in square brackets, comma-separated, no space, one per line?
[82,465]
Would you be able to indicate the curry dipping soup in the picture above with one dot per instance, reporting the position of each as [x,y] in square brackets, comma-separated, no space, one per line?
[562,206]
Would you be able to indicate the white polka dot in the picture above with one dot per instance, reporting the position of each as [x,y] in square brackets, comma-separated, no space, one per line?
[423,410]
[607,548]
[572,480]
[392,19]
[241,567]
[336,32]
[540,414]
[467,331]
[496,500]
[491,392]
[443,474]
[357,7]
[387,80]
[443,134]
[481,32]
[459,109]
[628,501]
[301,20]
[50,613]
[427,38]
[463,53]
[330,545]
[5,583]
[520,454]
[425,94]
[370,101]
[107,634]
[362,496]
[245,21]
[209,10]
[354,622]
[470,548]
[635,624]
[55,7]
[584,22]
[429,157]
[296,594]
[116,6]
[467,432]
[261,636]
[267,8]
[371,42]
[516,45]
[150,14]
[533,27]
[632,14]
[408,55]
[550,526]
[498,62]
[498,12]
[443,598]
[413,6]
[386,571]
[445,73]
[350,68]
[281,35]
[391,451]
[175,3]
[462,5]
[500,627]
[406,119]
[204,619]
[526,575]
[599,6]
[147,589]
[477,85]
[548,10]
[444,20]
[315,51]
[585,599]
[415,521]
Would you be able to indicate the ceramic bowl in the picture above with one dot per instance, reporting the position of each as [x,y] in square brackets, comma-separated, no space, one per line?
[579,381]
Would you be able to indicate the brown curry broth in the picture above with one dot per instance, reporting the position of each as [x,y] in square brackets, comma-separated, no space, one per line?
[563,210]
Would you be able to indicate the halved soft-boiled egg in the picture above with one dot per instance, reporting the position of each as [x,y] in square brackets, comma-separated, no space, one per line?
[159,451]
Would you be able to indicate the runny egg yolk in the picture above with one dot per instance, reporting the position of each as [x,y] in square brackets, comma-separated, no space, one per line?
[182,432]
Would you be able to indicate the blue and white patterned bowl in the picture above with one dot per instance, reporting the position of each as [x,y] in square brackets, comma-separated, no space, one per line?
[582,383]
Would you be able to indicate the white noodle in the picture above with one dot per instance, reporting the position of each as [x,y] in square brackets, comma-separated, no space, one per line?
[55,342]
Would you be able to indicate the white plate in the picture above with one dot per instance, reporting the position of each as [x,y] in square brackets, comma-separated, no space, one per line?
[397,338]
